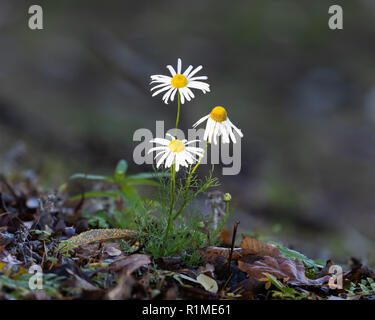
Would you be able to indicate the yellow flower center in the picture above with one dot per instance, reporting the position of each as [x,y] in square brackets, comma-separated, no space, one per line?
[179,81]
[176,145]
[218,114]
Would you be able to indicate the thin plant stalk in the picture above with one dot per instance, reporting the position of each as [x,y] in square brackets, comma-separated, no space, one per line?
[178,111]
[188,181]
[173,184]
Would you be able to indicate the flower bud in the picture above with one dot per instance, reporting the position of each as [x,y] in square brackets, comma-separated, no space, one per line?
[227,197]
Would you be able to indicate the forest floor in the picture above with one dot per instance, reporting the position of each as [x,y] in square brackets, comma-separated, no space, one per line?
[51,249]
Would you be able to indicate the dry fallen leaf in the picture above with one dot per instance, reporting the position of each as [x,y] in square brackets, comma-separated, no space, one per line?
[130,263]
[282,268]
[112,249]
[123,289]
[208,283]
[212,253]
[257,247]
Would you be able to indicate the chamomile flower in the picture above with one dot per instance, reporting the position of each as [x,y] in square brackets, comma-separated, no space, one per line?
[183,82]
[218,124]
[176,152]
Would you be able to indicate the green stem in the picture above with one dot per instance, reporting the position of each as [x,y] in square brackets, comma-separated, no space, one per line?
[178,110]
[170,214]
[187,185]
[223,222]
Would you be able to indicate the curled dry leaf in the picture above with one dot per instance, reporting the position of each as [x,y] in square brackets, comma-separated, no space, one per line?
[270,260]
[283,268]
[208,283]
[131,263]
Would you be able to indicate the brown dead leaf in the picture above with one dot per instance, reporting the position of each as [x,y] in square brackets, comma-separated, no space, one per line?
[359,271]
[225,237]
[212,253]
[124,288]
[130,263]
[253,246]
[282,268]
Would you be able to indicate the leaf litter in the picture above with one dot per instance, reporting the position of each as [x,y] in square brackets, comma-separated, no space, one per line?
[81,261]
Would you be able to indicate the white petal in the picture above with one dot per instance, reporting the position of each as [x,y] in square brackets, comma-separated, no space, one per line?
[199,85]
[200,121]
[210,123]
[181,96]
[159,153]
[186,73]
[169,160]
[195,71]
[198,78]
[229,129]
[160,77]
[161,160]
[212,132]
[173,94]
[161,141]
[171,70]
[179,63]
[235,128]
[167,94]
[185,94]
[216,132]
[161,90]
[157,148]
[192,141]
[177,162]
[190,93]
[158,86]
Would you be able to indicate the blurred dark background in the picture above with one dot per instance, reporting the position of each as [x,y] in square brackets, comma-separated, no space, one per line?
[72,95]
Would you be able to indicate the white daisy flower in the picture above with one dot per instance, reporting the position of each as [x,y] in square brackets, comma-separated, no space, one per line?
[176,152]
[218,124]
[183,82]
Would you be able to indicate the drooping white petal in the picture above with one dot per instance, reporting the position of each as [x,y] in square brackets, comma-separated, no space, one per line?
[158,86]
[161,160]
[167,95]
[160,90]
[209,126]
[235,128]
[156,149]
[182,97]
[199,85]
[159,153]
[190,93]
[169,160]
[191,141]
[184,93]
[217,127]
[173,94]
[200,121]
